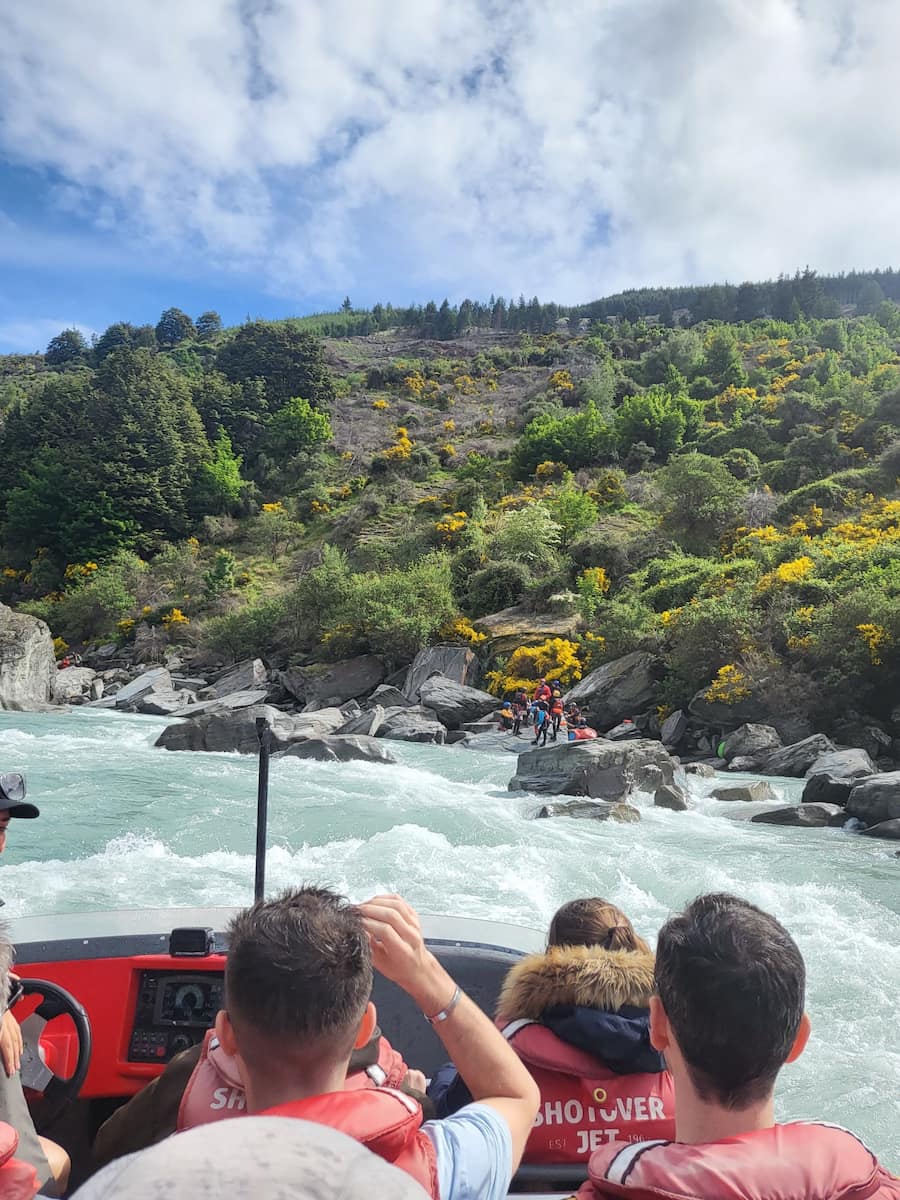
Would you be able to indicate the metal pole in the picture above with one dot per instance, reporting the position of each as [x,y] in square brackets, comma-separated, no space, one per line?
[264,733]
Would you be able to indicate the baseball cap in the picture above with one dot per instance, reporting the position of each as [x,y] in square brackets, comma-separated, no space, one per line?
[12,796]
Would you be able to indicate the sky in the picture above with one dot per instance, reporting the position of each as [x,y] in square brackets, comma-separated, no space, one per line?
[269,157]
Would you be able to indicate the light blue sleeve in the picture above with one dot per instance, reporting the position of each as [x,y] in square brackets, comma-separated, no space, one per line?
[474,1154]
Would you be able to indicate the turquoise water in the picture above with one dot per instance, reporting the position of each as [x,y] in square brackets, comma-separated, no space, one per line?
[124,825]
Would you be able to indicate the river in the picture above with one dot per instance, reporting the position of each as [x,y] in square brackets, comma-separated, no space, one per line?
[124,825]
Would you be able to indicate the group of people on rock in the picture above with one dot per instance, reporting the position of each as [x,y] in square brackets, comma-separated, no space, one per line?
[546,713]
[654,1074]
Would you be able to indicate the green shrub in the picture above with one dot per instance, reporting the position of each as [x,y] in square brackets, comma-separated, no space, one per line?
[250,632]
[495,586]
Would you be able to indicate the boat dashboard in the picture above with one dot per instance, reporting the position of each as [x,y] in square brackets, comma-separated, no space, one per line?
[152,981]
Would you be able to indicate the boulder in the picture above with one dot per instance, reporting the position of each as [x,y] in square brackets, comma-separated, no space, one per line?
[877,799]
[757,792]
[188,683]
[454,662]
[27,663]
[193,706]
[366,723]
[454,703]
[157,679]
[388,697]
[889,830]
[649,778]
[249,675]
[520,626]
[103,702]
[412,724]
[750,741]
[702,770]
[325,684]
[864,733]
[235,729]
[831,778]
[673,728]
[599,768]
[796,759]
[339,747]
[806,816]
[96,689]
[490,739]
[670,796]
[72,682]
[165,704]
[742,765]
[618,689]
[592,810]
[727,716]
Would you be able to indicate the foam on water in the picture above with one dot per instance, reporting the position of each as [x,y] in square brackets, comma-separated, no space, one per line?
[124,825]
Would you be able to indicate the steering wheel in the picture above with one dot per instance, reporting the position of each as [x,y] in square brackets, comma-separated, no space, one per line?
[53,1091]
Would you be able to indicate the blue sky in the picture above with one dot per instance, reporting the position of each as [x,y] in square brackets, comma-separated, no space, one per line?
[267,157]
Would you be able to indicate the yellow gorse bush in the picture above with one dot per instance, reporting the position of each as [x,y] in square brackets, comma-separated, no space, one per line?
[557,658]
[729,686]
[876,638]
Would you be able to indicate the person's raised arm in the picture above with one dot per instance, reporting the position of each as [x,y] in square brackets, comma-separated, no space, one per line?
[493,1072]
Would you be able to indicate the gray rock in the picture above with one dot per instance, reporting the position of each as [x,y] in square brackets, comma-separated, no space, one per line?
[72,682]
[492,740]
[454,662]
[189,683]
[325,684]
[796,759]
[727,716]
[103,702]
[388,697]
[743,764]
[96,689]
[750,741]
[27,663]
[157,679]
[889,830]
[235,729]
[703,770]
[164,704]
[618,689]
[366,723]
[338,747]
[196,707]
[649,778]
[592,810]
[877,799]
[673,728]
[454,703]
[832,778]
[759,791]
[107,650]
[599,769]
[806,816]
[116,675]
[670,796]
[412,724]
[249,675]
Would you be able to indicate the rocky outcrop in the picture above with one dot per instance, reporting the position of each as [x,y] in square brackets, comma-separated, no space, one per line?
[323,685]
[727,716]
[751,742]
[235,729]
[365,723]
[746,792]
[453,662]
[889,830]
[701,770]
[803,816]
[339,747]
[249,675]
[194,707]
[673,729]
[72,683]
[618,689]
[591,810]
[27,663]
[670,796]
[157,679]
[412,724]
[519,626]
[832,778]
[796,759]
[454,703]
[599,769]
[877,799]
[165,704]
[386,697]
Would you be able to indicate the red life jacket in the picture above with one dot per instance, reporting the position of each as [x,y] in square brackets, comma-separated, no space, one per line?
[542,692]
[584,1104]
[215,1091]
[386,1122]
[556,708]
[800,1161]
[584,733]
[18,1180]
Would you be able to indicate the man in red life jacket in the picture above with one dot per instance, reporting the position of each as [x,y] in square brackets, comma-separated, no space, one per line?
[543,691]
[728,1015]
[297,982]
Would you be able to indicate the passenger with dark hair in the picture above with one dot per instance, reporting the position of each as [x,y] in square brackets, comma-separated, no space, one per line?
[728,1014]
[297,983]
[577,1015]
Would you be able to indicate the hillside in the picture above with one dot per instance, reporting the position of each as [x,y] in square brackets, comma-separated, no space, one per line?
[723,496]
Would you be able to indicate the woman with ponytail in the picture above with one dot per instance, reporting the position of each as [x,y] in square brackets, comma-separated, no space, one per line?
[577,1015]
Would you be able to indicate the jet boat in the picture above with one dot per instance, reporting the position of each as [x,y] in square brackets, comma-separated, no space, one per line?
[110,997]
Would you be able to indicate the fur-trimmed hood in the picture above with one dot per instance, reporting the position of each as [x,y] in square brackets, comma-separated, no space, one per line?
[581,976]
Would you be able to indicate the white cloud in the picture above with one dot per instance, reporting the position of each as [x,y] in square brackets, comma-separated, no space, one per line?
[470,147]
